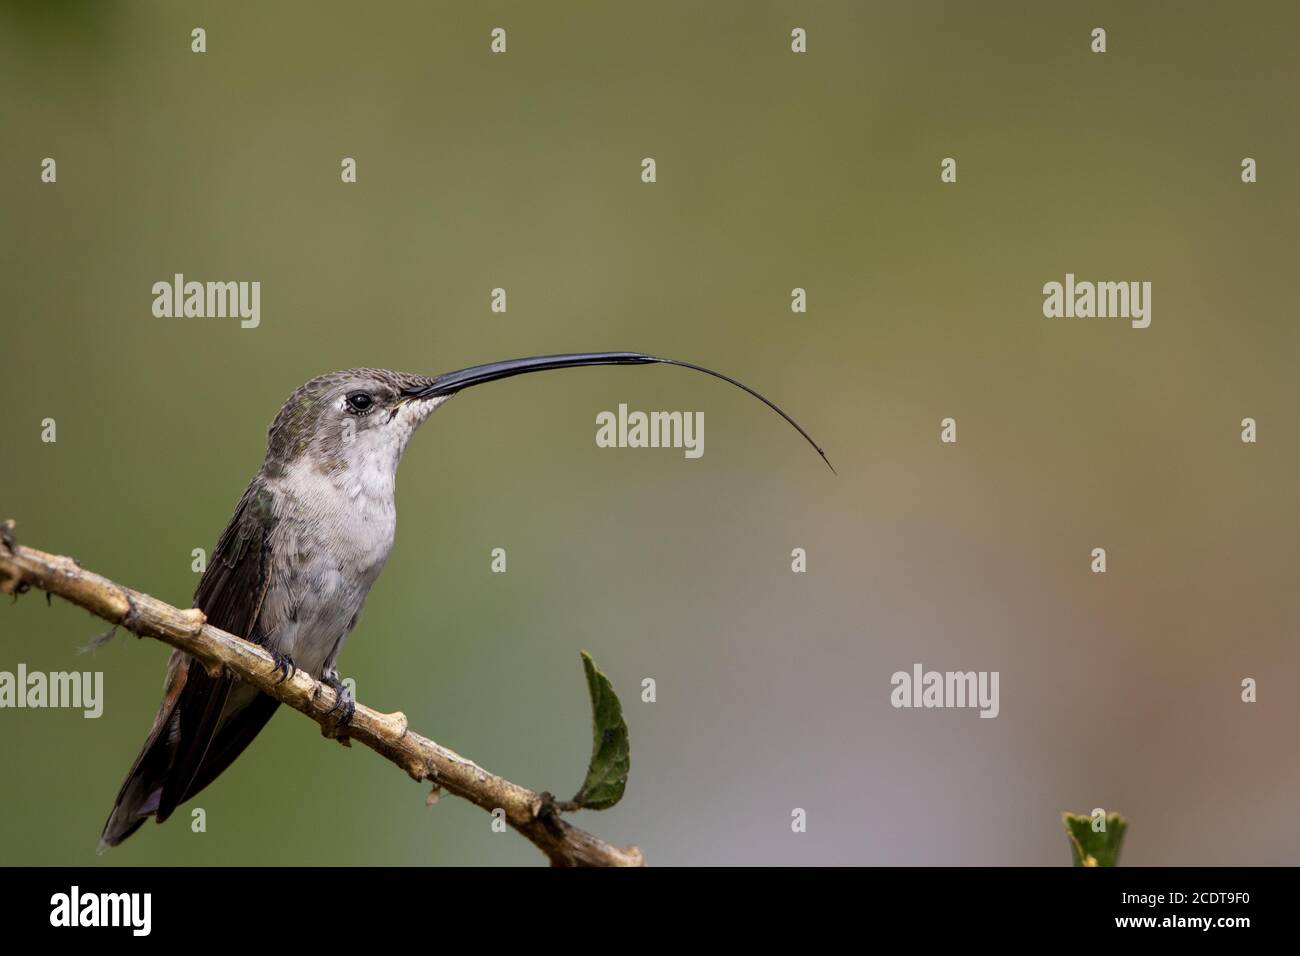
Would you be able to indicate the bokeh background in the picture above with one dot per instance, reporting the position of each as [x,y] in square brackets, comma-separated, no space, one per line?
[774,171]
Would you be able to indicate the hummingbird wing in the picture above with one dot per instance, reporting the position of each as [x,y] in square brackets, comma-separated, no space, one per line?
[197,732]
[230,594]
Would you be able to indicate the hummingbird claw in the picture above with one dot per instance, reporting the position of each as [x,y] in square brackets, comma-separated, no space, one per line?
[345,701]
[284,666]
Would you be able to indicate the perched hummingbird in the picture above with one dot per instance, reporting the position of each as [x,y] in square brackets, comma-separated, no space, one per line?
[292,568]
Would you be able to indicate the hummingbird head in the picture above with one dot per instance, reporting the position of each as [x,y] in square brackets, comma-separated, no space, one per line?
[361,416]
[364,417]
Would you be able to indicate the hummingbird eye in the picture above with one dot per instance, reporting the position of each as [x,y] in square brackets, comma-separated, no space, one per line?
[360,401]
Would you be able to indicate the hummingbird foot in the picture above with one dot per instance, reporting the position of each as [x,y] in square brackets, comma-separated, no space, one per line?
[284,666]
[345,704]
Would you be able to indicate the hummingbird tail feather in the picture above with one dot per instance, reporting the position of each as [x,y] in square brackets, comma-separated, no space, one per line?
[141,791]
[128,816]
[203,725]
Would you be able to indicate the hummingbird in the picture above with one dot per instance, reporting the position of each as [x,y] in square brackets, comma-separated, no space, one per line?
[292,568]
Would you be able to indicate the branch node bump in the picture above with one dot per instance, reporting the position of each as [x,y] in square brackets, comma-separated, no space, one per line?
[395,725]
[544,808]
[131,619]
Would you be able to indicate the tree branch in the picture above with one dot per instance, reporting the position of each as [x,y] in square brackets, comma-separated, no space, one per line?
[535,815]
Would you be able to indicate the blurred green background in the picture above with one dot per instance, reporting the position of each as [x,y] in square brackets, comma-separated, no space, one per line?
[775,170]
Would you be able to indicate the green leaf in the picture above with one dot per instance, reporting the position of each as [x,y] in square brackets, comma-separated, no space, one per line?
[1089,847]
[610,750]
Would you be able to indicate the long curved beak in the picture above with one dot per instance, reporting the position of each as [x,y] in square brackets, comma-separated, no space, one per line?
[452,382]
